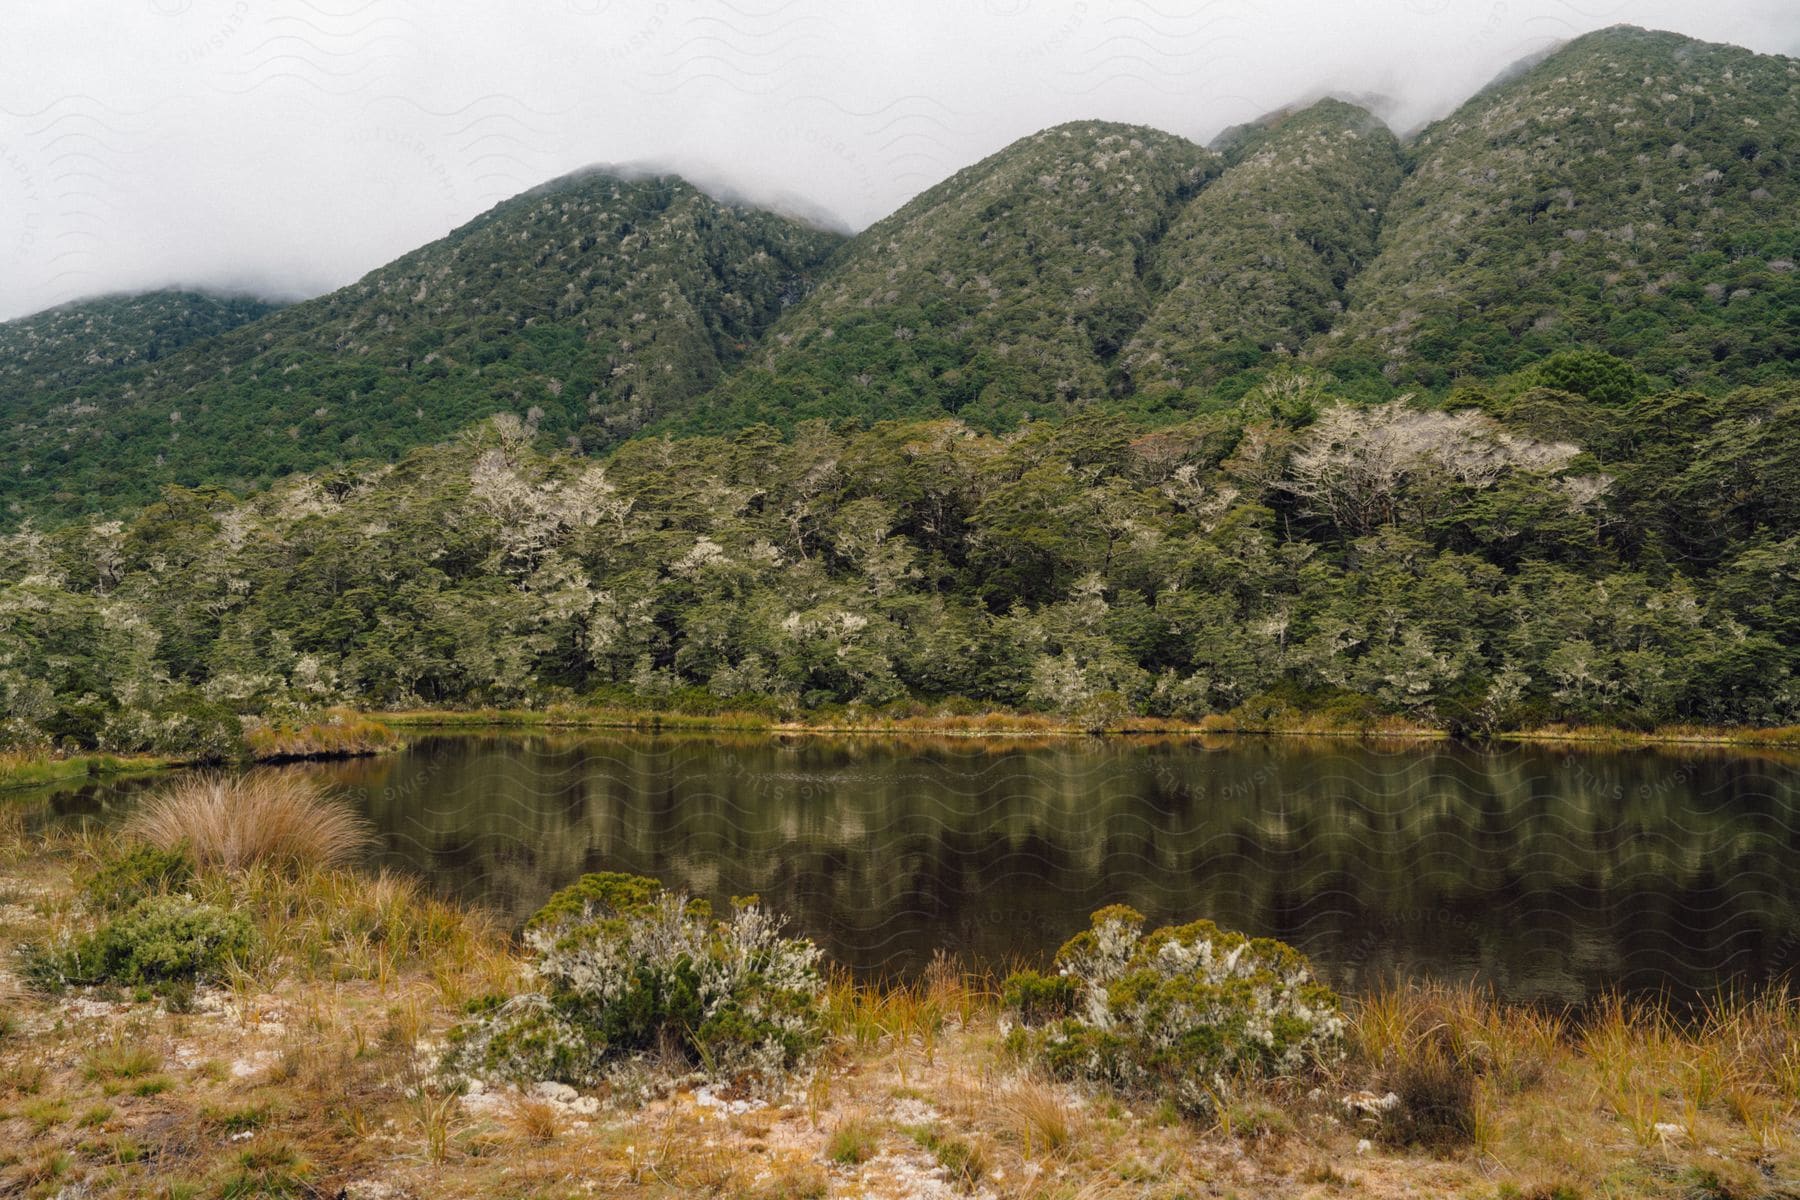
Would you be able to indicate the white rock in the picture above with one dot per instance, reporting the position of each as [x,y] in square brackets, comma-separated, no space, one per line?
[556,1093]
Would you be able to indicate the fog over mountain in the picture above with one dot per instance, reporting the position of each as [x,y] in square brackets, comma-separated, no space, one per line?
[287,148]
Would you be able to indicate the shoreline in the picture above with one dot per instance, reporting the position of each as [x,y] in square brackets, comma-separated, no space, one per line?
[21,770]
[1000,723]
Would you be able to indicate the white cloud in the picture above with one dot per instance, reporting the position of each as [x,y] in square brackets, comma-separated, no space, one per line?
[288,146]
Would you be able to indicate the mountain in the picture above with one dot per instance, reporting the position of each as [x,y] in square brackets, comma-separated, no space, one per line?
[1260,261]
[1631,193]
[589,306]
[1634,192]
[1002,294]
[49,353]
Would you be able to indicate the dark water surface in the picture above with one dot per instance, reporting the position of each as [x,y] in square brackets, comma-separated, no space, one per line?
[1548,874]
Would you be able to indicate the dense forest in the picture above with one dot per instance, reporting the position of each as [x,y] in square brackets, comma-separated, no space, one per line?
[1543,553]
[1495,426]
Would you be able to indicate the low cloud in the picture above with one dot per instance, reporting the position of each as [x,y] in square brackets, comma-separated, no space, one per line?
[287,147]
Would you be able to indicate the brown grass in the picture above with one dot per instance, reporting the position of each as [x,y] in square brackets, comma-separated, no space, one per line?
[277,820]
[341,734]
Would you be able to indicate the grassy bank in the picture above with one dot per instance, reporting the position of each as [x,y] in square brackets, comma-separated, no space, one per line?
[1781,736]
[305,1066]
[336,735]
[997,723]
[27,769]
[1011,724]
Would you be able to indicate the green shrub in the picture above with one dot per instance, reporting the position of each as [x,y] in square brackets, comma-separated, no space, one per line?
[626,968]
[121,880]
[159,940]
[1038,998]
[1179,1013]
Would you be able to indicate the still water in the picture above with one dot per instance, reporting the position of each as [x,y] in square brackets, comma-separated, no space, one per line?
[1546,873]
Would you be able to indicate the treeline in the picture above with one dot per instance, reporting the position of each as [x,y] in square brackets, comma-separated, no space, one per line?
[1531,553]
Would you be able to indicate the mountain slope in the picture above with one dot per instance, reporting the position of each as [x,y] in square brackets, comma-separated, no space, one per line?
[591,305]
[51,352]
[1259,261]
[1001,294]
[1637,192]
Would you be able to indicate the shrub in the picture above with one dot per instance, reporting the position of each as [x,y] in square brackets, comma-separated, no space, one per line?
[121,880]
[182,723]
[625,967]
[1180,1012]
[159,940]
[262,817]
[1039,998]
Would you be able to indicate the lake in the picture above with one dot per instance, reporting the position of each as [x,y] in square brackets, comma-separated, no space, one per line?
[1548,873]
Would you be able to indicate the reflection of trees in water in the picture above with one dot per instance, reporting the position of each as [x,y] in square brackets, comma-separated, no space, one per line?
[1550,874]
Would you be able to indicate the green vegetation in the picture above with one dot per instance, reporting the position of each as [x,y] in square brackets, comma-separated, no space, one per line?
[1258,264]
[1001,295]
[119,881]
[1187,1013]
[63,349]
[624,969]
[1520,558]
[159,940]
[588,307]
[1634,192]
[1104,428]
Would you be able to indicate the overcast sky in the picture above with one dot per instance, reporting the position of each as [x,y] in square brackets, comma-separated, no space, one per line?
[288,146]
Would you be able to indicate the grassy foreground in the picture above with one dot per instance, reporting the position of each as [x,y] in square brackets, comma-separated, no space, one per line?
[306,1069]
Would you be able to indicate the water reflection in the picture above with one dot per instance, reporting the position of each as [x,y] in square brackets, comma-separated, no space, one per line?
[1548,874]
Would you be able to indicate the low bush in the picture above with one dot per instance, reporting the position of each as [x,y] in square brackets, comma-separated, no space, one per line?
[1038,998]
[121,879]
[625,968]
[160,940]
[269,817]
[1182,1012]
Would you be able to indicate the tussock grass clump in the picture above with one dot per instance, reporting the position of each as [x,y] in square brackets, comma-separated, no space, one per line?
[1435,1049]
[856,1139]
[266,817]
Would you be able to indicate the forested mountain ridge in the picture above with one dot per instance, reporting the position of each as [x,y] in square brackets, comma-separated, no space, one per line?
[1002,294]
[1634,192]
[1063,434]
[60,349]
[591,305]
[1259,262]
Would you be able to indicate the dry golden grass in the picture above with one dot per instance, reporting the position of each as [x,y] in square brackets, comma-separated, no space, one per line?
[1041,1117]
[341,734]
[264,817]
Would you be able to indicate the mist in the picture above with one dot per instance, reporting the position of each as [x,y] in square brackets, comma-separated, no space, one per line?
[284,148]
